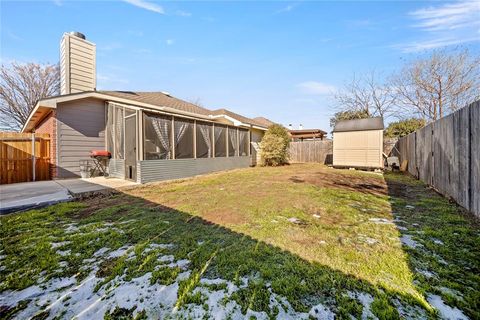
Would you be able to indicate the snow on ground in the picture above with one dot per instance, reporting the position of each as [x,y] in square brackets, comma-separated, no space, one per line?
[381,221]
[60,244]
[407,240]
[445,311]
[366,300]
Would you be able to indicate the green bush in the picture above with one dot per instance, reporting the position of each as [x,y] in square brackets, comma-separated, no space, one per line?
[274,146]
[404,127]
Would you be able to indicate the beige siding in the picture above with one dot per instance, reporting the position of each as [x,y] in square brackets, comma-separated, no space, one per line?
[77,65]
[358,149]
[81,128]
[256,137]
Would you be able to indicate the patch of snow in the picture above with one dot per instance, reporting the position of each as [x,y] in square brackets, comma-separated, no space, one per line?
[366,300]
[167,258]
[119,252]
[451,292]
[409,207]
[63,264]
[60,244]
[402,228]
[409,311]
[127,221]
[407,240]
[3,256]
[321,312]
[380,221]
[212,281]
[445,311]
[367,240]
[436,241]
[322,242]
[426,273]
[317,216]
[71,228]
[64,253]
[101,252]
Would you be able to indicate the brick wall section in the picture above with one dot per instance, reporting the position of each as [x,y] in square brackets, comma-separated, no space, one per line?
[49,125]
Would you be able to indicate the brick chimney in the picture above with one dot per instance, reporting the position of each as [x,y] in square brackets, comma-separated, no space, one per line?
[77,64]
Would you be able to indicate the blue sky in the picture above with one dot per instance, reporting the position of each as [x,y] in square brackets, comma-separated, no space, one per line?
[280,60]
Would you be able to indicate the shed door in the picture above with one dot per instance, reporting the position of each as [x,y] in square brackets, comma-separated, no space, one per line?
[130,145]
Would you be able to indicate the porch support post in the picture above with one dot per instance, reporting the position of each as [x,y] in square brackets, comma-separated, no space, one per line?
[33,156]
[140,135]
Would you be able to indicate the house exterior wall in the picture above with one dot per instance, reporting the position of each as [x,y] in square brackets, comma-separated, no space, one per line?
[362,149]
[49,125]
[157,170]
[80,129]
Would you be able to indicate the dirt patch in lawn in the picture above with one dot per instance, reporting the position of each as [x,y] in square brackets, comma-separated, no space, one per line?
[224,217]
[337,179]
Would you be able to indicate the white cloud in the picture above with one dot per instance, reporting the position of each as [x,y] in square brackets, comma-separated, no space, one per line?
[58,3]
[146,5]
[169,42]
[287,8]
[448,16]
[433,44]
[182,13]
[317,88]
[444,25]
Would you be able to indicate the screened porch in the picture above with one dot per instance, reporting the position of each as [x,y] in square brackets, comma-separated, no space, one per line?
[149,146]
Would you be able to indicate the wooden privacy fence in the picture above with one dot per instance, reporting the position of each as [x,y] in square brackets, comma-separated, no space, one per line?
[24,157]
[311,151]
[446,155]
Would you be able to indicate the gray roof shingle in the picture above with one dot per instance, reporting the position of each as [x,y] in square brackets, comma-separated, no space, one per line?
[359,125]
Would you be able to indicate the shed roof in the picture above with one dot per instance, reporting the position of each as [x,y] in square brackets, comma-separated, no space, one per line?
[359,125]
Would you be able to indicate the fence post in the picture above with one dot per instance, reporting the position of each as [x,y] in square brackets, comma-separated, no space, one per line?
[33,156]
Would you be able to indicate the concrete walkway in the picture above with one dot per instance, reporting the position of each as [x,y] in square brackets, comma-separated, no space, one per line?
[27,195]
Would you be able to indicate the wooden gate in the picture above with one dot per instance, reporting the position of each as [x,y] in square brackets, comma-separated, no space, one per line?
[24,157]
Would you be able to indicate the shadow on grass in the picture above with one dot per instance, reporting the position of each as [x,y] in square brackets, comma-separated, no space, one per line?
[212,250]
[442,243]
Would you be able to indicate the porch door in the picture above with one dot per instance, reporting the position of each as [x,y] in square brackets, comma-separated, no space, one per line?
[130,145]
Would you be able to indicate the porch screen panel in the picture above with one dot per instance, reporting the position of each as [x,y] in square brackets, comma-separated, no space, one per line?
[119,133]
[232,142]
[183,138]
[243,142]
[220,137]
[204,140]
[110,132]
[158,137]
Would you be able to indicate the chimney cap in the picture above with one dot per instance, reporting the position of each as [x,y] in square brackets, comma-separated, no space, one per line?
[78,34]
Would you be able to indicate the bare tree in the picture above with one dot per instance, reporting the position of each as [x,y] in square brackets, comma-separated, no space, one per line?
[21,86]
[438,84]
[367,95]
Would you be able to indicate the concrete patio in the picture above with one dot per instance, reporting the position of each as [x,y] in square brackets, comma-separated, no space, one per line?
[27,195]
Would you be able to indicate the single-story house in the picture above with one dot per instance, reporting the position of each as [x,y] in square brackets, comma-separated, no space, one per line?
[150,135]
[358,143]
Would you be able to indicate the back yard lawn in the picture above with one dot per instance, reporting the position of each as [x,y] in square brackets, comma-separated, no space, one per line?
[301,241]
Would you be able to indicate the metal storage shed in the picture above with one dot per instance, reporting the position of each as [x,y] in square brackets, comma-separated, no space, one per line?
[358,143]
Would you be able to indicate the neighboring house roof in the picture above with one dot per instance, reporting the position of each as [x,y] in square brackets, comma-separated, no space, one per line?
[359,125]
[307,131]
[159,101]
[220,112]
[266,122]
